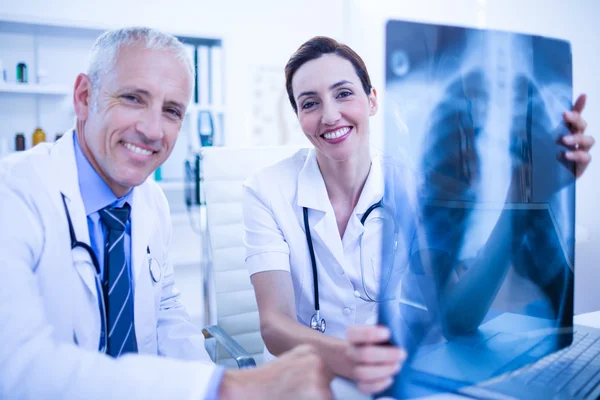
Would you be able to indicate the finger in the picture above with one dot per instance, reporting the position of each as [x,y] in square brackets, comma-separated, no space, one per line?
[579,103]
[377,354]
[376,387]
[581,160]
[367,334]
[370,374]
[575,121]
[578,157]
[580,142]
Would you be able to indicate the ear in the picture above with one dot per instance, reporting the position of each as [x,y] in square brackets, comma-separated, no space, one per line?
[82,96]
[373,105]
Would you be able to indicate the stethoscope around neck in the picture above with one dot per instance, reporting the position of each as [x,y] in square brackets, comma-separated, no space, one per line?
[316,322]
[153,265]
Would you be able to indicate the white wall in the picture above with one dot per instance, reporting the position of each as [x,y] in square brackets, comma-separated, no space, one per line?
[255,33]
[575,21]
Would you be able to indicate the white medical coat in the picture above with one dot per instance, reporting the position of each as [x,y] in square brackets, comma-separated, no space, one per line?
[275,239]
[49,314]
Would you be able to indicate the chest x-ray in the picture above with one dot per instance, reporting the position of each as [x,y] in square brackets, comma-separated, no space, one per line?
[477,114]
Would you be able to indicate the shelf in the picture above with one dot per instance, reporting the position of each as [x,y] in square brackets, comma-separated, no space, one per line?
[195,107]
[31,88]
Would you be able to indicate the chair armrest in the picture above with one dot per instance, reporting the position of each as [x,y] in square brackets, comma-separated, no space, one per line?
[233,348]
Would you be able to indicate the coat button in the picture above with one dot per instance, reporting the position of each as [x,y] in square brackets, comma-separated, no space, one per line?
[356,294]
[347,311]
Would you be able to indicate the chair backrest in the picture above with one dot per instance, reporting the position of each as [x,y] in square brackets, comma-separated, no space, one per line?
[231,294]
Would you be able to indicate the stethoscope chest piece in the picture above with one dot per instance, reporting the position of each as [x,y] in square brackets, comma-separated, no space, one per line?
[317,323]
[155,270]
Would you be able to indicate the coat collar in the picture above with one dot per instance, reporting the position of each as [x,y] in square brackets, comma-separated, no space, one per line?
[143,218]
[311,190]
[62,156]
[312,194]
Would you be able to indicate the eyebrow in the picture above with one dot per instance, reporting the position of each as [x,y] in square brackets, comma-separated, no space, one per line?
[334,86]
[136,91]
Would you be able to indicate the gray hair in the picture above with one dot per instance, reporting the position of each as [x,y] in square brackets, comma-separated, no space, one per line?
[103,56]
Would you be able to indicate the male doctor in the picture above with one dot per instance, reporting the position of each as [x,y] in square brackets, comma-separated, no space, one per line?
[83,250]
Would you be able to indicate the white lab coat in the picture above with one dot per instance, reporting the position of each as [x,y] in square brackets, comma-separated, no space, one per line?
[49,314]
[275,239]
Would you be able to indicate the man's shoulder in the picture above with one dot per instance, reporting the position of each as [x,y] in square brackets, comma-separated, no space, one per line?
[23,168]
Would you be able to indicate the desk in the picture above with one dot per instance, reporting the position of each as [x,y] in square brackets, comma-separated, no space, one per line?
[344,389]
[589,319]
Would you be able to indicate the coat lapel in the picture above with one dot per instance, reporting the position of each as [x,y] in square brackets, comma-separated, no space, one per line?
[143,220]
[372,193]
[312,194]
[63,162]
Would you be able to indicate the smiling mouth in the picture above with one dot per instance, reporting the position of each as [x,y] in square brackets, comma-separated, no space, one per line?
[137,150]
[336,134]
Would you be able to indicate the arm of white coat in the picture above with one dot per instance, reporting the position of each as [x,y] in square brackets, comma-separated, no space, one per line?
[268,263]
[33,363]
[280,329]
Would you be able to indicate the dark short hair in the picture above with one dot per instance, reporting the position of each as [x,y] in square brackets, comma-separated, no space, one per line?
[315,48]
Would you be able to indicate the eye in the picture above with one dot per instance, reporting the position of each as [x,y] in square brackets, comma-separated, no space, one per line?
[308,105]
[173,112]
[344,93]
[131,98]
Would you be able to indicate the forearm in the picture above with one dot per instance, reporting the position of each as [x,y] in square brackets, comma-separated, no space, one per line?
[282,333]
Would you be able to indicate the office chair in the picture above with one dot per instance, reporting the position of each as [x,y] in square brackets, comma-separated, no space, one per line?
[230,301]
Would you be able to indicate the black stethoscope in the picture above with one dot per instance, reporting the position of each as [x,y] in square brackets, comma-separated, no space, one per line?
[316,322]
[153,265]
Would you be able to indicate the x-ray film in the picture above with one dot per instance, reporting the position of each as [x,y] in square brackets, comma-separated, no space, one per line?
[485,281]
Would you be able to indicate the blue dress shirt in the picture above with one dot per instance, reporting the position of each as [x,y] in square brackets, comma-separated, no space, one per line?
[96,195]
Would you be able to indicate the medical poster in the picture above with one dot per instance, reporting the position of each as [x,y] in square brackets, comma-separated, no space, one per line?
[476,115]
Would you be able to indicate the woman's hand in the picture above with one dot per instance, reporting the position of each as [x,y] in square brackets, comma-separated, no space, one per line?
[577,143]
[374,362]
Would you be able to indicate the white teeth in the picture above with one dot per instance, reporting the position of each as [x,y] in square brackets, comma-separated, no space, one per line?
[137,150]
[336,134]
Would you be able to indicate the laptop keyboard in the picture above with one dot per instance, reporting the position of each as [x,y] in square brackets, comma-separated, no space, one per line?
[569,370]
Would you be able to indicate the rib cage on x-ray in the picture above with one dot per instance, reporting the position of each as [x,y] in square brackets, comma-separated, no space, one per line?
[488,107]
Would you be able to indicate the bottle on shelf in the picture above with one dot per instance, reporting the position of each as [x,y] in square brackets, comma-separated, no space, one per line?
[19,141]
[158,174]
[22,72]
[39,136]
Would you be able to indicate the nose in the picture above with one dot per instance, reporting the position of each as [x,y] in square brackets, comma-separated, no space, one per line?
[331,113]
[150,125]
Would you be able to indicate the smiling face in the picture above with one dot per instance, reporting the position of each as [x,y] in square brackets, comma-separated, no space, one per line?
[137,114]
[333,108]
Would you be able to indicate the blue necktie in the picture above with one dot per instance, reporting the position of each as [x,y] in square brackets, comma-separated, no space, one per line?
[117,286]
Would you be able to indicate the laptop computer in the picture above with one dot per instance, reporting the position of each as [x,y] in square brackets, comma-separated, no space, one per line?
[485,308]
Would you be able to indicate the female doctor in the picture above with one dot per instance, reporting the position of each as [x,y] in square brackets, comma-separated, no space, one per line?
[308,211]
